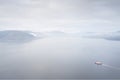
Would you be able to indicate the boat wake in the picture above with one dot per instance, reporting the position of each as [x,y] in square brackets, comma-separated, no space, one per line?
[111,67]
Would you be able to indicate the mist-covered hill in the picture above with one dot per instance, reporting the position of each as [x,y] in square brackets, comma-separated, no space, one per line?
[15,36]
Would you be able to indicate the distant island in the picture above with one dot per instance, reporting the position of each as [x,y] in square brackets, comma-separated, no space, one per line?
[16,36]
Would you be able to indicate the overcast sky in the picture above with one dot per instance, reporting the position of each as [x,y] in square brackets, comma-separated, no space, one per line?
[64,15]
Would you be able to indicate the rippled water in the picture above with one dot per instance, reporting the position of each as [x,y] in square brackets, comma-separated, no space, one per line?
[60,57]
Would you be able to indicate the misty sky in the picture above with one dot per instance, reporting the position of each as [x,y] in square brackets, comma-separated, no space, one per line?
[64,15]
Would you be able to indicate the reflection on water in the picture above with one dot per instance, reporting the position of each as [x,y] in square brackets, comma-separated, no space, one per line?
[64,57]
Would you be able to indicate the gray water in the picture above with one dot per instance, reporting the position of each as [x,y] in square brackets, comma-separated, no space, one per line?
[60,58]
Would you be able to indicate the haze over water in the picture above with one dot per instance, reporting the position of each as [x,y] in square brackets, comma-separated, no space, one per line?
[59,39]
[59,57]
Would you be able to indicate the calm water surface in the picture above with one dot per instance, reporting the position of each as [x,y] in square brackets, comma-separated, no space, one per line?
[60,57]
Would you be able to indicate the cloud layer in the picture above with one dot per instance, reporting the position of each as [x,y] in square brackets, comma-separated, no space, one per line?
[66,15]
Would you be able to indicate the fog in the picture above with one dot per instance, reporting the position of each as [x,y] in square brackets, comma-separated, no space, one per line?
[74,34]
